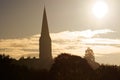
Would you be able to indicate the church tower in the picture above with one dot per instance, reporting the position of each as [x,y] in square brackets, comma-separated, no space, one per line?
[45,50]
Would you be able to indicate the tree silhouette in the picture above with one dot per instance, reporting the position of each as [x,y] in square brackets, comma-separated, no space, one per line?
[10,70]
[108,72]
[69,67]
[65,67]
[89,55]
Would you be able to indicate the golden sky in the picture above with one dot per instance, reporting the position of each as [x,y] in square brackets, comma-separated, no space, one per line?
[78,23]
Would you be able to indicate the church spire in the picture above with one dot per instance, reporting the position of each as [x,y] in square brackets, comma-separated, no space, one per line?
[45,30]
[45,48]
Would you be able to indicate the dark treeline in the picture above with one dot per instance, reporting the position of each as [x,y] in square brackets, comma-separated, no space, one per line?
[65,67]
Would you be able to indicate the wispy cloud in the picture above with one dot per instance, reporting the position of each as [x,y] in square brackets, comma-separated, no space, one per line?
[70,42]
[92,33]
[83,34]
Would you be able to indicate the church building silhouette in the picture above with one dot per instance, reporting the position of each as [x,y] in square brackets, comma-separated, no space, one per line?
[45,59]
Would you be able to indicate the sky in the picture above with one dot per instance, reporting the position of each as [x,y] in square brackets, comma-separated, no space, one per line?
[72,24]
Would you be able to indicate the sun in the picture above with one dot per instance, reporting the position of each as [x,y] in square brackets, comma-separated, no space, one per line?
[100,9]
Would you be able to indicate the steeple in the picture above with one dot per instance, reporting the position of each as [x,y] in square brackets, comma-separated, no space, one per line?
[45,30]
[45,50]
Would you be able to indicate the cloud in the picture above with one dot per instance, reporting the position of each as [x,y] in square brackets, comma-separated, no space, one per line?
[89,33]
[73,42]
[16,47]
[30,50]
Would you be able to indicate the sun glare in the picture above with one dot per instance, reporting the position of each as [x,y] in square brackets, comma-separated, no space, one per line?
[100,9]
